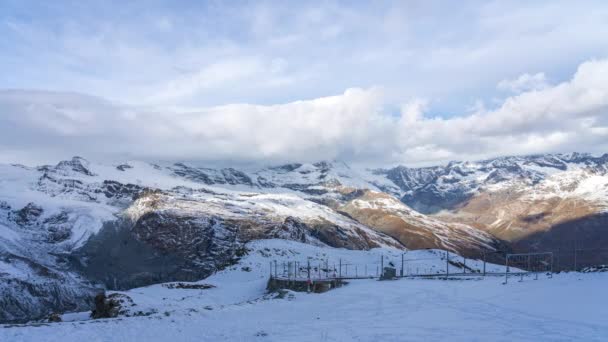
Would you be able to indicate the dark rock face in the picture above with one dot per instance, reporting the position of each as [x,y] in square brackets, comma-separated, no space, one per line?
[431,200]
[118,191]
[291,229]
[123,167]
[48,291]
[111,306]
[54,318]
[27,215]
[212,176]
[76,165]
[157,248]
[305,188]
[286,167]
[188,286]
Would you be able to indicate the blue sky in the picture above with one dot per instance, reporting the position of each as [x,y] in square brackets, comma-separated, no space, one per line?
[451,59]
[452,53]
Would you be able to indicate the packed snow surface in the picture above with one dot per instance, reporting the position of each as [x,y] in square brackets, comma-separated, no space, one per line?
[563,308]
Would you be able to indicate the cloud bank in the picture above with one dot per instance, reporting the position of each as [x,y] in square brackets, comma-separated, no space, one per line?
[359,125]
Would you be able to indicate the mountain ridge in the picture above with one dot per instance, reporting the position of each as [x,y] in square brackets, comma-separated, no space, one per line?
[59,223]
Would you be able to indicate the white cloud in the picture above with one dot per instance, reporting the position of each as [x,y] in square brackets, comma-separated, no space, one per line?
[213,53]
[352,126]
[524,82]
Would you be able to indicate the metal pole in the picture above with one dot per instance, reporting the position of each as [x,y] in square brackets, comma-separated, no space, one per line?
[575,258]
[447,264]
[402,254]
[464,267]
[484,264]
[551,270]
[340,271]
[308,268]
[507,267]
[382,263]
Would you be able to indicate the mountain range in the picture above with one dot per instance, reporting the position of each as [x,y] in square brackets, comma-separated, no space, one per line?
[70,229]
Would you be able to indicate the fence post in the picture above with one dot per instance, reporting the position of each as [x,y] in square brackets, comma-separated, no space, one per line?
[484,264]
[308,269]
[464,267]
[340,271]
[506,267]
[447,264]
[381,264]
[402,254]
[551,266]
[575,261]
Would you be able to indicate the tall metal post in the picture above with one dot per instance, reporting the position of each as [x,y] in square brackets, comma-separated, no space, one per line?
[308,269]
[506,268]
[551,270]
[402,254]
[447,264]
[575,259]
[340,271]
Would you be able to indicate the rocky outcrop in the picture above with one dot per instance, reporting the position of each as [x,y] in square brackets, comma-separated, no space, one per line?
[111,306]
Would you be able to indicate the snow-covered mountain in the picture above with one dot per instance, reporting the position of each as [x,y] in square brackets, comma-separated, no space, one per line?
[432,189]
[69,229]
[539,202]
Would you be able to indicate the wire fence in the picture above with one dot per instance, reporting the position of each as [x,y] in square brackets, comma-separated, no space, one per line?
[442,264]
[436,264]
[579,259]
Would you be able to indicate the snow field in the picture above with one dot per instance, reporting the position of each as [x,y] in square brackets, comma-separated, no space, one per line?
[565,308]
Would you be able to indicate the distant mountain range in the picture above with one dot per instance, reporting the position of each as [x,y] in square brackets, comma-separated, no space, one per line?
[68,229]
